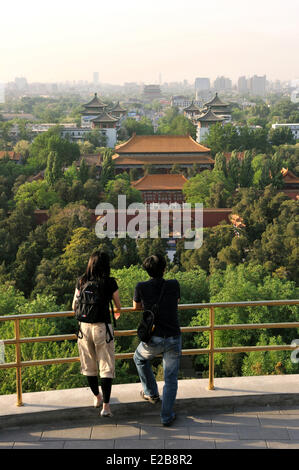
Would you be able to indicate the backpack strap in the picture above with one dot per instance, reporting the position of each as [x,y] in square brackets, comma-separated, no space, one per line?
[108,331]
[79,333]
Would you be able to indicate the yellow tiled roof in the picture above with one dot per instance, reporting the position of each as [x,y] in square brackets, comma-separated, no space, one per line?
[161,144]
[158,160]
[164,182]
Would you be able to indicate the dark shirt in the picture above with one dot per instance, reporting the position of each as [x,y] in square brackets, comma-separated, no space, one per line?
[167,323]
[107,289]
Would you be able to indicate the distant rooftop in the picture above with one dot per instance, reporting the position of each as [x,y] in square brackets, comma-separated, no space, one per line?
[161,144]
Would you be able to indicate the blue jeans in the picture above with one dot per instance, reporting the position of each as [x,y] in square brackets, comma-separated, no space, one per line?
[170,348]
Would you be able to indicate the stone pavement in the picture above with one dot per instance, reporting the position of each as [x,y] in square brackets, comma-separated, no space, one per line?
[241,413]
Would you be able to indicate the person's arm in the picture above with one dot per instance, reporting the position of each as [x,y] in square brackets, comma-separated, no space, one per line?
[137,304]
[117,305]
[179,292]
[76,294]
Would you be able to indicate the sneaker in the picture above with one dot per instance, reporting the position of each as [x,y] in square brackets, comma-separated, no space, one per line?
[106,413]
[97,403]
[169,423]
[153,400]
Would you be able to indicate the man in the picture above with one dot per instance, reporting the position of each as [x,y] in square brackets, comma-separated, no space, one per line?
[166,339]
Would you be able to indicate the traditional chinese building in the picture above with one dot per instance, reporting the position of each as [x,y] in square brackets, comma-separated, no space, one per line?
[159,188]
[192,111]
[118,111]
[161,152]
[218,107]
[291,184]
[95,116]
[212,112]
[151,92]
[92,109]
[204,123]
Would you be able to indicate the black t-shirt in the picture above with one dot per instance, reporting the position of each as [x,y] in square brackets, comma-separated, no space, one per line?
[167,323]
[107,289]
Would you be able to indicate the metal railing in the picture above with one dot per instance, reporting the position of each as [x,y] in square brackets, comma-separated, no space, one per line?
[211,350]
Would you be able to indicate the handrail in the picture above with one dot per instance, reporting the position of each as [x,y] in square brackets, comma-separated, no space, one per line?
[211,328]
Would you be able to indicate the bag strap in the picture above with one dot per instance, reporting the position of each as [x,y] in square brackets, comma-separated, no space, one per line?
[112,313]
[114,323]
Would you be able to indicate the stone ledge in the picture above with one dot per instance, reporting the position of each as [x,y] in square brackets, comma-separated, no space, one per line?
[193,397]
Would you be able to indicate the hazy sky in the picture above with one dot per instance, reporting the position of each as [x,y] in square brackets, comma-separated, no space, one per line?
[135,40]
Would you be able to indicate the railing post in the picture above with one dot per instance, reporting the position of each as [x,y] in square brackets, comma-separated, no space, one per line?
[18,361]
[211,349]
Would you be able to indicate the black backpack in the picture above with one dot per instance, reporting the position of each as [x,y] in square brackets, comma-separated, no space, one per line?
[87,306]
[147,325]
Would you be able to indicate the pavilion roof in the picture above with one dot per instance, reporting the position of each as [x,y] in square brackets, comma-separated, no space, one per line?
[209,116]
[95,103]
[104,117]
[161,144]
[216,101]
[166,182]
[167,160]
[289,176]
[117,107]
[192,107]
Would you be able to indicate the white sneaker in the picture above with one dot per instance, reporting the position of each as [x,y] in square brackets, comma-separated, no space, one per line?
[97,403]
[106,413]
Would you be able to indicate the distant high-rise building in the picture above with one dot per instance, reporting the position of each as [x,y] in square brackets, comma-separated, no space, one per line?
[295,96]
[202,88]
[95,78]
[21,83]
[202,84]
[222,83]
[2,90]
[257,85]
[242,85]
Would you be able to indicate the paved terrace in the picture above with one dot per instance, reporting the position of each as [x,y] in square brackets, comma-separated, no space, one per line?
[242,412]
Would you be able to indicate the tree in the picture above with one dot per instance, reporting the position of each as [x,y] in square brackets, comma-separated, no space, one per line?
[149,246]
[121,186]
[108,168]
[51,141]
[246,170]
[281,135]
[233,169]
[39,193]
[86,147]
[142,127]
[222,138]
[71,174]
[234,284]
[22,147]
[61,224]
[124,253]
[92,190]
[220,163]
[96,138]
[77,252]
[201,188]
[83,171]
[173,123]
[54,169]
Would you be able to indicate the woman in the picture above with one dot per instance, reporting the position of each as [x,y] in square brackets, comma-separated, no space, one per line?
[94,349]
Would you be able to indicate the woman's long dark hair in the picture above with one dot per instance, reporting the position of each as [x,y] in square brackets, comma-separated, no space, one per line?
[98,268]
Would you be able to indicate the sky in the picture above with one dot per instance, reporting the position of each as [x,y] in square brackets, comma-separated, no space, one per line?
[137,40]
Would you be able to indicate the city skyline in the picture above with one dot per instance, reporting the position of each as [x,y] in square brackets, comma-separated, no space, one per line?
[134,42]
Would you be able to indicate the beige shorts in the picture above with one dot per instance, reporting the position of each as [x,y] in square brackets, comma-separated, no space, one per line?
[95,353]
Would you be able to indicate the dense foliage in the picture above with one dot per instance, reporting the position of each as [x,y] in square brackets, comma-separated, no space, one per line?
[39,263]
